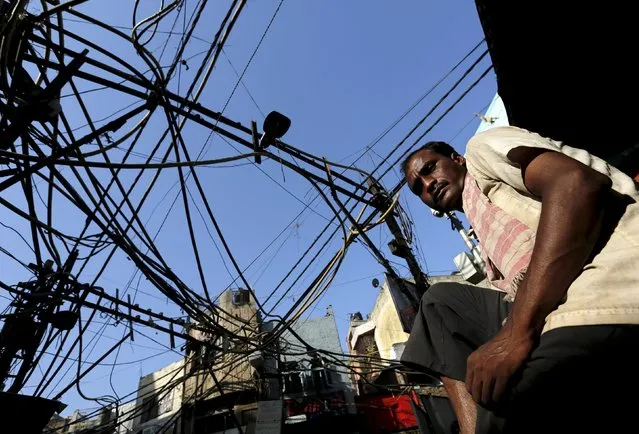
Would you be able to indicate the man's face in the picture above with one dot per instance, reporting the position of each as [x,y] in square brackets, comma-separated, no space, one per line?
[437,180]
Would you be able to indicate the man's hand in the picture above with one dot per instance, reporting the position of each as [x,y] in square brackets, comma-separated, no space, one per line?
[490,367]
[573,197]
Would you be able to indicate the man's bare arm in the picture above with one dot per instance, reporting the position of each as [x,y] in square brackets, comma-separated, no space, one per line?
[572,196]
[572,199]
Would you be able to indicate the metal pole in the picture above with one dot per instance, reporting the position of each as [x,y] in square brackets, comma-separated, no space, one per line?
[401,247]
[29,354]
[459,227]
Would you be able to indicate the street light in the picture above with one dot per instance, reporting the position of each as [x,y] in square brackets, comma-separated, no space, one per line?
[275,126]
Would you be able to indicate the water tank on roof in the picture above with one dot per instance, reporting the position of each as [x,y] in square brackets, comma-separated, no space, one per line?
[357,316]
[240,297]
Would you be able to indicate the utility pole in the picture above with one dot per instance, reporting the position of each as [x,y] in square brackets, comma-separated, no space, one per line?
[457,225]
[398,246]
[34,310]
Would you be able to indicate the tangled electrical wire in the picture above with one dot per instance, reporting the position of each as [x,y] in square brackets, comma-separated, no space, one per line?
[80,172]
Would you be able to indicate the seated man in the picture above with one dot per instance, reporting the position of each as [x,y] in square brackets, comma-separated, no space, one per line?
[553,348]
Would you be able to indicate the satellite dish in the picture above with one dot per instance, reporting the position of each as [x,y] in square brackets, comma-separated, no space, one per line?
[375,283]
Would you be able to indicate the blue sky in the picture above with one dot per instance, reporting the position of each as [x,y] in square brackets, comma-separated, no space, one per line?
[343,71]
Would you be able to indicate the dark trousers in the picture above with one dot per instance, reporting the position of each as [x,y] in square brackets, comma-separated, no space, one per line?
[577,379]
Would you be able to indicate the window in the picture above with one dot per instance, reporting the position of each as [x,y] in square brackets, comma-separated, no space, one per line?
[240,347]
[331,375]
[319,378]
[220,421]
[154,406]
[203,357]
[149,408]
[292,382]
[166,403]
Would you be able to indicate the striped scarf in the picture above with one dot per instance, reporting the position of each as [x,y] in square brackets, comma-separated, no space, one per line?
[506,243]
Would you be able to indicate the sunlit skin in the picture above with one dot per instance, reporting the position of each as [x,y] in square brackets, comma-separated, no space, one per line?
[437,180]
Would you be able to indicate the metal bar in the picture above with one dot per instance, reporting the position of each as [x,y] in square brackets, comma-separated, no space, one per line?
[134,307]
[256,142]
[128,299]
[130,317]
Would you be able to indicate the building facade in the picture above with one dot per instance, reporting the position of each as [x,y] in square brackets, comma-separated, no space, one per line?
[159,401]
[222,386]
[391,397]
[316,386]
[225,379]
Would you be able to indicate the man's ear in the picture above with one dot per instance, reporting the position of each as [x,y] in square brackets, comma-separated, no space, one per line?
[459,159]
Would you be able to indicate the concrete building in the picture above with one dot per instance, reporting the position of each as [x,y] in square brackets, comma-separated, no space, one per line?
[376,335]
[58,424]
[83,422]
[380,335]
[205,409]
[315,385]
[126,417]
[392,398]
[154,407]
[159,401]
[79,422]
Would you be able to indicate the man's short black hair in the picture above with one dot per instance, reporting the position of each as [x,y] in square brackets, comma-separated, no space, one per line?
[441,148]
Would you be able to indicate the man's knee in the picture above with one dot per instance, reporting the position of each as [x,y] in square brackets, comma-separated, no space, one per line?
[440,293]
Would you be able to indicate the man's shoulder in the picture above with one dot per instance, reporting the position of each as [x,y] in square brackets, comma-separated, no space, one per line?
[488,142]
[495,143]
[488,145]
